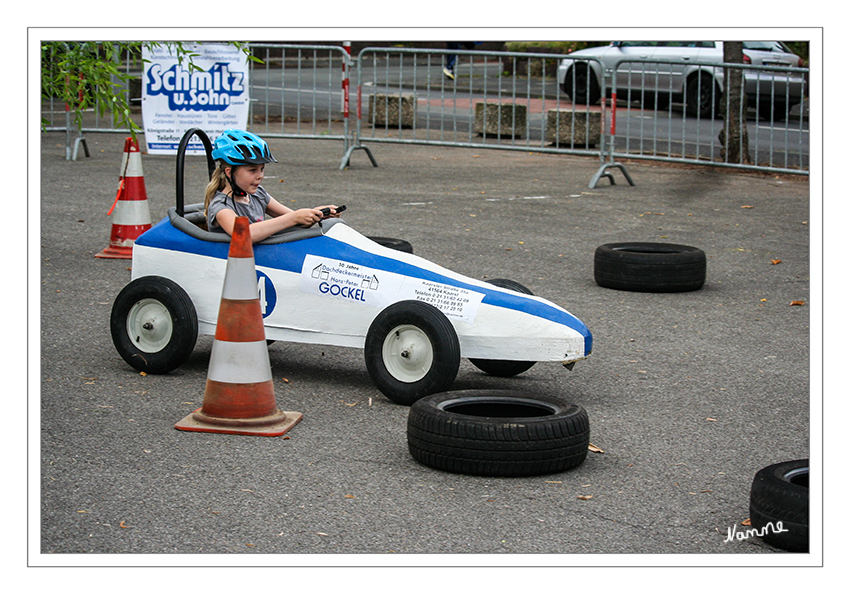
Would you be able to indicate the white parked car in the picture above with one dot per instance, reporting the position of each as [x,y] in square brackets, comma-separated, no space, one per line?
[690,80]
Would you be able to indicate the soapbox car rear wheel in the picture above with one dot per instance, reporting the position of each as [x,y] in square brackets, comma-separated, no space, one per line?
[496,367]
[154,324]
[412,350]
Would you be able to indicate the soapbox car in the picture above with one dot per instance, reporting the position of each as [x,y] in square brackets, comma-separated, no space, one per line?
[331,285]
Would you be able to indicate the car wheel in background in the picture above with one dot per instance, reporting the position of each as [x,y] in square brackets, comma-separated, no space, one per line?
[412,350]
[499,368]
[497,433]
[154,325]
[581,86]
[702,97]
[649,267]
[396,244]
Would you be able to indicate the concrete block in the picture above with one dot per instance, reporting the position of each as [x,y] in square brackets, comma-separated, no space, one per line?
[392,110]
[566,127]
[500,119]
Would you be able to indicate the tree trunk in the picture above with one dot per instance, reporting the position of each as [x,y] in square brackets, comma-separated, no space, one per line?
[733,136]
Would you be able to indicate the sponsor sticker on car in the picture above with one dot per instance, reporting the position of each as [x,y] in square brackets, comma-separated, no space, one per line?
[347,281]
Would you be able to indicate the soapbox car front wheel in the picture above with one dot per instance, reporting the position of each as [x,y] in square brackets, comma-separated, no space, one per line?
[412,350]
[154,324]
[496,367]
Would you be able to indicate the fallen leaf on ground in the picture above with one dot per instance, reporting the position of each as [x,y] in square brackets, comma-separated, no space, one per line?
[595,449]
[585,497]
[775,262]
[746,522]
[746,206]
[797,303]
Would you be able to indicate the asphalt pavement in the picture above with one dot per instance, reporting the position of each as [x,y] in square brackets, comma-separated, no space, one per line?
[688,394]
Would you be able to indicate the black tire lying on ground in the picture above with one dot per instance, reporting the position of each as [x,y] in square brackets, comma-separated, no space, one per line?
[649,267]
[780,494]
[497,433]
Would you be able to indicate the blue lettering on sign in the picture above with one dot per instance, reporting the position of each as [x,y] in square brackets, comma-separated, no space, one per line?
[267,294]
[196,90]
[340,291]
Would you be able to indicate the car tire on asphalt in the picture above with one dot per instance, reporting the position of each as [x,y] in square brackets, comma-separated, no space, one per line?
[396,244]
[780,493]
[649,267]
[411,350]
[497,433]
[154,324]
[495,367]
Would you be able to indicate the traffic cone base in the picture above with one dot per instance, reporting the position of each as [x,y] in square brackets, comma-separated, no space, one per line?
[273,425]
[122,253]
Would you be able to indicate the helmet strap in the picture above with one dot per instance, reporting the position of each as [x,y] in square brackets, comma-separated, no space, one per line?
[236,190]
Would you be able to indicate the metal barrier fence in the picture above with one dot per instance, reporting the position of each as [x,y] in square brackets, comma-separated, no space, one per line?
[676,111]
[492,99]
[505,100]
[300,91]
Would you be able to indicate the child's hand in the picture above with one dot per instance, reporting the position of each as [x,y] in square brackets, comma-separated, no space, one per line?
[333,212]
[306,217]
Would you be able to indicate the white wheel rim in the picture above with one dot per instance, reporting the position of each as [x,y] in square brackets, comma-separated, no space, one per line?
[407,353]
[149,325]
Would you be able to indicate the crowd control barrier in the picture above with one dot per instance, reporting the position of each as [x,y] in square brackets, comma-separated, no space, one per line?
[510,101]
[656,117]
[499,100]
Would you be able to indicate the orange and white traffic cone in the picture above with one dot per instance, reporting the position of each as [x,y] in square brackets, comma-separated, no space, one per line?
[132,216]
[239,396]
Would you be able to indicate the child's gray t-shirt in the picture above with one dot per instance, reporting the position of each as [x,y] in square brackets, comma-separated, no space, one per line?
[255,210]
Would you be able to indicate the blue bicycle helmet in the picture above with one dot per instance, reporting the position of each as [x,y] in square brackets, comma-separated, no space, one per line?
[238,147]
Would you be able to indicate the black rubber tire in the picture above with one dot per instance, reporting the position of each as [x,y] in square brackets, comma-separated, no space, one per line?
[171,320]
[496,367]
[649,267]
[397,244]
[497,433]
[780,493]
[702,97]
[581,86]
[434,334]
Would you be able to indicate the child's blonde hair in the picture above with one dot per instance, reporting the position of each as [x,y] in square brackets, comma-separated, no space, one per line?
[217,183]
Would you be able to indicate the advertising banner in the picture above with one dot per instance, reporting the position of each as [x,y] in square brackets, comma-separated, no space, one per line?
[211,94]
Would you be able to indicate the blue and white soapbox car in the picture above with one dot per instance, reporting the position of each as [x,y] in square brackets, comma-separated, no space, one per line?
[331,285]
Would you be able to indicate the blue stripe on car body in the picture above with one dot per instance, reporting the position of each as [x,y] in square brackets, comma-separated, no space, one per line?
[164,236]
